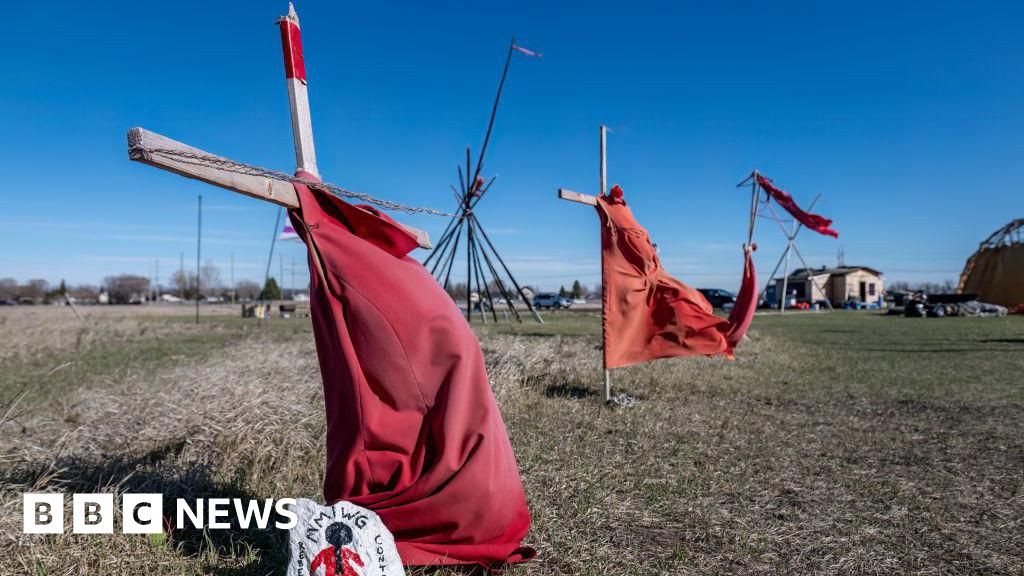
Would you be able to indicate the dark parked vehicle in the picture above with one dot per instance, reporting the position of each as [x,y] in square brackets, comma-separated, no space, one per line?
[717,297]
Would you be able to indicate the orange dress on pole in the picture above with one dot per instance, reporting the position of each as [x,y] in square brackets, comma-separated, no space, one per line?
[648,314]
[413,430]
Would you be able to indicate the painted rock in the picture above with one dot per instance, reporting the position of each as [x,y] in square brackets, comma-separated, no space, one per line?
[343,539]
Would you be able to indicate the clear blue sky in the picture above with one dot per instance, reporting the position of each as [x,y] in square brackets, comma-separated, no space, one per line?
[907,117]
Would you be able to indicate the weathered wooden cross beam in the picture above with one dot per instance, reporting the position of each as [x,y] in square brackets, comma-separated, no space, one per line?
[162,152]
[167,154]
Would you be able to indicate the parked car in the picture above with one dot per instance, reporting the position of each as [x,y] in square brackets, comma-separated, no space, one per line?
[550,300]
[718,298]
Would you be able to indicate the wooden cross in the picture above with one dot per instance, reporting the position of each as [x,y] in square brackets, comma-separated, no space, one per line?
[589,200]
[167,154]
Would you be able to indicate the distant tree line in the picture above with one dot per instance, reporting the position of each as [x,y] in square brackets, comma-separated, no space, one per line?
[946,287]
[134,289]
[457,290]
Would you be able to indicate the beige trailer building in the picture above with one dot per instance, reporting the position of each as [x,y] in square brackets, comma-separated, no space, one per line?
[837,285]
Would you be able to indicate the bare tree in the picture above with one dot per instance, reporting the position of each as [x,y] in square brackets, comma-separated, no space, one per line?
[209,274]
[126,288]
[248,290]
[84,293]
[184,283]
[8,288]
[35,289]
[946,287]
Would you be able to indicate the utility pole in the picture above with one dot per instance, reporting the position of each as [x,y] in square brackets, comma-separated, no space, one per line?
[234,292]
[181,278]
[199,252]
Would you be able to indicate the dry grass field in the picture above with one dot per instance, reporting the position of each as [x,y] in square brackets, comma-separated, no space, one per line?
[849,443]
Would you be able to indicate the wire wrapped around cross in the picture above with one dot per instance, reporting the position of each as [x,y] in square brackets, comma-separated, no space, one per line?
[136,143]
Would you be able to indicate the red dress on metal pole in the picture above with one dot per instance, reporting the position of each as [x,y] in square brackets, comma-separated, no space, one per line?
[413,430]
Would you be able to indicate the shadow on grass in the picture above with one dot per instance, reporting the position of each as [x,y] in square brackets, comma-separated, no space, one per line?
[575,392]
[159,471]
[1002,340]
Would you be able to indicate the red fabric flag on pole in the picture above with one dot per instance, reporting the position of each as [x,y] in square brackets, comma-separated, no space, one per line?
[413,430]
[527,51]
[648,314]
[819,224]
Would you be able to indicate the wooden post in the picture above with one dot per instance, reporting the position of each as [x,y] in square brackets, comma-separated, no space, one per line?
[604,281]
[589,200]
[71,303]
[298,97]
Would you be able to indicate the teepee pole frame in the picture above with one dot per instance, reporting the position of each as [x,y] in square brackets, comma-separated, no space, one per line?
[477,244]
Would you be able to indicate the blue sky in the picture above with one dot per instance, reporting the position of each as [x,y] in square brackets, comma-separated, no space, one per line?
[906,118]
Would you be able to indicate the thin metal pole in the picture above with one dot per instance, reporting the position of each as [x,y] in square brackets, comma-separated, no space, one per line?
[270,257]
[199,253]
[811,278]
[791,245]
[785,277]
[771,277]
[604,281]
[753,208]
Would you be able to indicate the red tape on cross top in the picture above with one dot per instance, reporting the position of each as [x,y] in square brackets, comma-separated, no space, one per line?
[291,43]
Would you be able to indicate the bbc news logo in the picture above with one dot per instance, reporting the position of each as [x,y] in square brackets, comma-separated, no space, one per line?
[143,513]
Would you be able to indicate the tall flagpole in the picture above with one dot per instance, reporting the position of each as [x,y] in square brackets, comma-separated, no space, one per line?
[604,281]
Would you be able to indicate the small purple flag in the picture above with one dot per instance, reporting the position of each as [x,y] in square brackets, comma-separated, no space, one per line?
[289,235]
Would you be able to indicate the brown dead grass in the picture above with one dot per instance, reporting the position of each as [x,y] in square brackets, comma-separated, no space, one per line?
[835,444]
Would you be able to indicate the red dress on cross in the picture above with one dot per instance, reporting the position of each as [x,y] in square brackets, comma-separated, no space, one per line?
[413,430]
